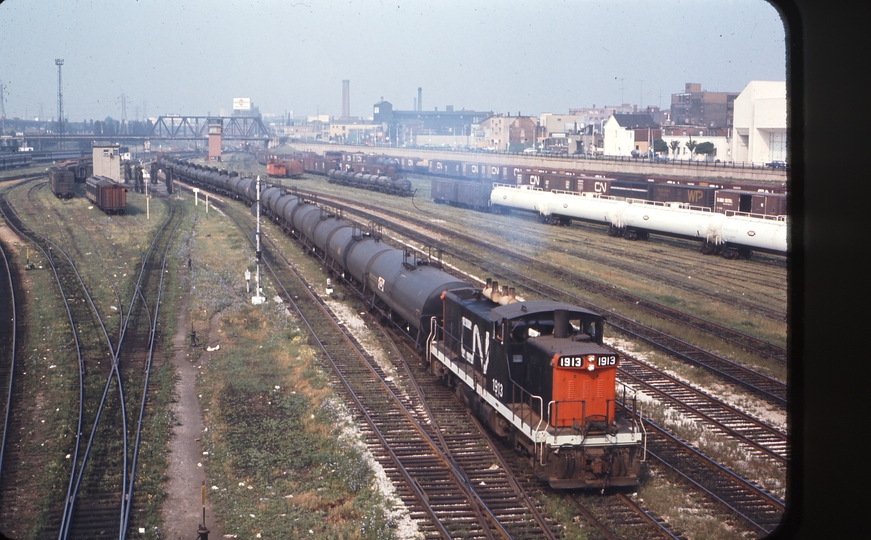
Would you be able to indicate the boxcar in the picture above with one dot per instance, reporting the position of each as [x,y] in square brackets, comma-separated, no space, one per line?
[693,195]
[750,202]
[107,195]
[62,182]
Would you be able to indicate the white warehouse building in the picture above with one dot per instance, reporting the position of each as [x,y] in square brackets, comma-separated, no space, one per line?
[759,124]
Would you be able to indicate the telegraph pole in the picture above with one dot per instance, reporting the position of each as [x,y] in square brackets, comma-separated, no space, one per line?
[2,110]
[60,98]
[123,114]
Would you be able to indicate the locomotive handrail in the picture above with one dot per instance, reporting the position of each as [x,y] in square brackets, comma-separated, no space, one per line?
[519,395]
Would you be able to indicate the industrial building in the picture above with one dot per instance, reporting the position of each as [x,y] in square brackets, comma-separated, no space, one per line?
[404,127]
[693,107]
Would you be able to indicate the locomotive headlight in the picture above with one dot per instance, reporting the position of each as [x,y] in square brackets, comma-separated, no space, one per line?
[591,361]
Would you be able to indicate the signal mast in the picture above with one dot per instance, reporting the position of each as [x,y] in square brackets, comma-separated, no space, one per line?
[258,297]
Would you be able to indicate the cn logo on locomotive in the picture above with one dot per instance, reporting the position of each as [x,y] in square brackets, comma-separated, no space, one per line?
[475,339]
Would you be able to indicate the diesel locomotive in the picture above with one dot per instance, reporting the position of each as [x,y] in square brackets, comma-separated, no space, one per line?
[536,372]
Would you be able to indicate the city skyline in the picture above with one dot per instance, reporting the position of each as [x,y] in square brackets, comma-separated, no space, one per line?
[195,57]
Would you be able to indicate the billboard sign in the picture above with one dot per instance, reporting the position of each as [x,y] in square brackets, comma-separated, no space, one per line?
[242,104]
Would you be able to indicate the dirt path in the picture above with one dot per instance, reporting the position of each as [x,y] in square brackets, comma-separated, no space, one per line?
[182,511]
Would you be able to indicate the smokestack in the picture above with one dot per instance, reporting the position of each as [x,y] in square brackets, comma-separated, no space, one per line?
[419,98]
[346,98]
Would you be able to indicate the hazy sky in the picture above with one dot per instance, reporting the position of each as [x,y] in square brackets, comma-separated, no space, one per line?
[194,56]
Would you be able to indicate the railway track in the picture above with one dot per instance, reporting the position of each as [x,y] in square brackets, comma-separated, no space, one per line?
[719,499]
[8,367]
[753,505]
[618,516]
[112,383]
[767,387]
[110,492]
[486,465]
[79,313]
[444,476]
[759,439]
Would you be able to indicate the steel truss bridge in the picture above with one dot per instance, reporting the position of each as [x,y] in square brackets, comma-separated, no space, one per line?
[244,128]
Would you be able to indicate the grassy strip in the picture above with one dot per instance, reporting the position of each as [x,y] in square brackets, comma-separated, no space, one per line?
[280,460]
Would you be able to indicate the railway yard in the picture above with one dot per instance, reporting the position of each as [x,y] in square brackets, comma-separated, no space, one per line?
[314,419]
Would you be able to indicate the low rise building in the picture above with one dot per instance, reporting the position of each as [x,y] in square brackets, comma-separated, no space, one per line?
[624,134]
[759,133]
[107,161]
[509,133]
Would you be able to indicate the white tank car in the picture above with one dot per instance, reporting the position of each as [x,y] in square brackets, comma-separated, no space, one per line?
[756,232]
[670,218]
[585,206]
[517,197]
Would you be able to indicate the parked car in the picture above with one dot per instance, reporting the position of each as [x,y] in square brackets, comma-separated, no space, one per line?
[777,164]
[661,159]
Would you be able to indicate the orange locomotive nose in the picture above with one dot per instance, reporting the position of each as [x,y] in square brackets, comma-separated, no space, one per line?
[583,390]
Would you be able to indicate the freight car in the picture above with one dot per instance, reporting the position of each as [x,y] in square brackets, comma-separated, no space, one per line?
[652,191]
[284,168]
[62,182]
[358,170]
[375,182]
[536,372]
[106,194]
[731,234]
[11,160]
[461,193]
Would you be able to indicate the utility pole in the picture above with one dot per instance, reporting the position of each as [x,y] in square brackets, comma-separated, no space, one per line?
[123,114]
[60,98]
[2,110]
